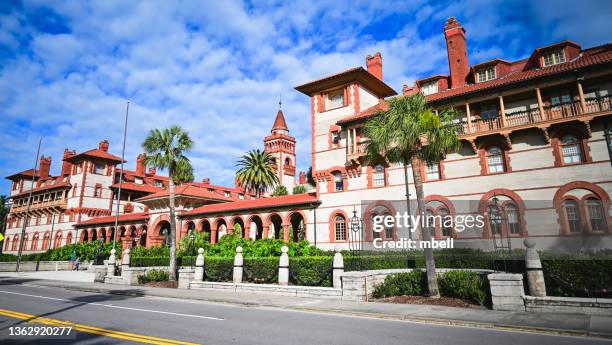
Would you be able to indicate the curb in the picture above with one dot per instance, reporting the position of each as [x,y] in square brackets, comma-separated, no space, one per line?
[407,318]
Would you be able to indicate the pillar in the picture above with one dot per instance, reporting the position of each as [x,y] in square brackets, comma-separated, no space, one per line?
[213,236]
[199,269]
[502,111]
[283,267]
[125,264]
[112,261]
[238,262]
[540,104]
[581,96]
[338,268]
[265,231]
[469,117]
[286,233]
[535,275]
[507,292]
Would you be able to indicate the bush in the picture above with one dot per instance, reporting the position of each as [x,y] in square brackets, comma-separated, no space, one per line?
[311,271]
[466,285]
[218,269]
[401,284]
[378,262]
[156,251]
[153,276]
[85,251]
[280,190]
[578,278]
[261,270]
[149,261]
[299,189]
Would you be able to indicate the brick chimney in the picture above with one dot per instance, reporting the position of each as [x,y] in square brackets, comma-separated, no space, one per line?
[141,165]
[45,166]
[456,48]
[409,90]
[374,64]
[103,146]
[302,177]
[66,166]
[206,180]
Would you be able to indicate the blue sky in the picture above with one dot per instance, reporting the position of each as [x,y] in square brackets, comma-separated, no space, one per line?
[217,68]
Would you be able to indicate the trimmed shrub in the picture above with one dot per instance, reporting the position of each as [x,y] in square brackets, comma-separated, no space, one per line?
[401,284]
[311,271]
[261,270]
[378,262]
[218,269]
[466,285]
[149,261]
[578,278]
[153,276]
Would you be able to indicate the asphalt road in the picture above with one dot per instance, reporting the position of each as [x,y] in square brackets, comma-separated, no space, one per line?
[122,319]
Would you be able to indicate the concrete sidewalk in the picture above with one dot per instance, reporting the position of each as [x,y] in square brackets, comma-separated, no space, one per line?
[570,324]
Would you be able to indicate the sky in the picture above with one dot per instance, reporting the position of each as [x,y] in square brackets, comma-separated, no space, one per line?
[217,68]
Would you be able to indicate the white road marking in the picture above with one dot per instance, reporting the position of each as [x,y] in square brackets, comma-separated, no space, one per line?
[115,306]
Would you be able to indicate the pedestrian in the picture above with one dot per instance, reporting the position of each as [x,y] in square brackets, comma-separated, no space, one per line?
[73,258]
[77,263]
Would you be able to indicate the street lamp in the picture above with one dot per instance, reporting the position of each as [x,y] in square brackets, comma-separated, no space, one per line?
[355,237]
[191,244]
[497,217]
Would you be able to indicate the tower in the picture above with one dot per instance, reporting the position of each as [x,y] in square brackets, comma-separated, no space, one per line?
[281,146]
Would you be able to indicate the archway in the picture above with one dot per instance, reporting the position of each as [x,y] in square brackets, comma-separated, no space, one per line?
[102,235]
[58,240]
[84,236]
[143,235]
[132,233]
[163,231]
[298,226]
[221,227]
[34,244]
[94,235]
[238,226]
[277,223]
[68,238]
[189,227]
[206,228]
[256,223]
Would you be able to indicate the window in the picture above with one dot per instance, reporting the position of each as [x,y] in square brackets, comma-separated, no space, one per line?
[430,88]
[99,168]
[573,215]
[570,148]
[378,180]
[98,191]
[138,180]
[512,214]
[430,223]
[433,171]
[489,112]
[495,159]
[596,214]
[338,182]
[288,161]
[335,138]
[226,194]
[241,196]
[560,100]
[158,183]
[486,73]
[375,234]
[336,99]
[445,222]
[554,58]
[340,226]
[74,190]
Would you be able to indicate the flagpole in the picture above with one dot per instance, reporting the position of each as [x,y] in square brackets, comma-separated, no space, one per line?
[25,221]
[127,110]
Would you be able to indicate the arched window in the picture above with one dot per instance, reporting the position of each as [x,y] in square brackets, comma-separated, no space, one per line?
[288,161]
[513,216]
[34,245]
[273,161]
[15,242]
[7,243]
[430,222]
[596,214]
[69,238]
[495,159]
[571,150]
[338,182]
[378,180]
[340,226]
[58,240]
[446,222]
[432,171]
[572,213]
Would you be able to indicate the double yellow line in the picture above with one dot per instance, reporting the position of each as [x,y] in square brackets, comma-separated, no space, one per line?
[93,330]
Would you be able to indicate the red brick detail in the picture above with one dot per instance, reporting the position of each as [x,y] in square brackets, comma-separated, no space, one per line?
[482,155]
[320,105]
[375,65]
[370,172]
[45,166]
[483,209]
[331,180]
[457,52]
[356,103]
[332,225]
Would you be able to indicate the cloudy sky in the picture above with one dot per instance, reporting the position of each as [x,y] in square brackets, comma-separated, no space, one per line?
[217,68]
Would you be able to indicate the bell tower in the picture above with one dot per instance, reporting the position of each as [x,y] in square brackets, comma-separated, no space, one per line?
[281,146]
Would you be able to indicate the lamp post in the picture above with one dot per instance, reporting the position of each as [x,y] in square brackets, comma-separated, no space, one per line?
[497,217]
[355,237]
[191,242]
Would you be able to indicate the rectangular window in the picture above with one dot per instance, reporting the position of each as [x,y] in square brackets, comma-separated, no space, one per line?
[98,191]
[486,73]
[335,138]
[553,58]
[159,183]
[138,180]
[430,88]
[99,168]
[74,190]
[336,99]
[433,172]
[489,112]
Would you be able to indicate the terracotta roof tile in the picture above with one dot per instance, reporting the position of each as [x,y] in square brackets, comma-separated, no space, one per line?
[287,200]
[138,187]
[190,190]
[96,153]
[280,123]
[111,219]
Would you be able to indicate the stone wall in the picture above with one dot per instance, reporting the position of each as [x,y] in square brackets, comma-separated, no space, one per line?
[33,266]
[283,290]
[591,306]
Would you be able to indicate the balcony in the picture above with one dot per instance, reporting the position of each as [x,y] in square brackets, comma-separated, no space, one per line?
[45,205]
[356,151]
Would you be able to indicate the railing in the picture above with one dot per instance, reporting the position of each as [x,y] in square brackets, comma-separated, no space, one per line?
[358,149]
[563,110]
[594,105]
[35,206]
[519,118]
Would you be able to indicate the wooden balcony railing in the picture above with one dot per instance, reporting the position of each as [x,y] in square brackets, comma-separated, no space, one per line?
[356,151]
[61,203]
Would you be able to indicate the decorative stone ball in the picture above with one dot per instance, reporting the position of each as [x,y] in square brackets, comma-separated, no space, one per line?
[201,251]
[239,249]
[113,251]
[529,243]
[127,250]
[284,249]
[337,248]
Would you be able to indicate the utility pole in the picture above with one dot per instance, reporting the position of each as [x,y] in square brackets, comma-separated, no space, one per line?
[25,222]
[127,109]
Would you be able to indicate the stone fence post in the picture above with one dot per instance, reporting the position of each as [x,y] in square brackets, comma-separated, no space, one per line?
[507,292]
[337,268]
[283,267]
[199,269]
[125,263]
[535,275]
[112,261]
[238,263]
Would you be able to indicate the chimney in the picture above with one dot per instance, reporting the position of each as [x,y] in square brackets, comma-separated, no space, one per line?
[302,177]
[66,166]
[141,165]
[45,166]
[409,90]
[374,64]
[457,52]
[152,171]
[103,146]
[206,180]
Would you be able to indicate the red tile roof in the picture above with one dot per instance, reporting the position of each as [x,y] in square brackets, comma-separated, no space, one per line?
[111,219]
[25,173]
[287,200]
[190,190]
[95,153]
[146,188]
[350,75]
[280,123]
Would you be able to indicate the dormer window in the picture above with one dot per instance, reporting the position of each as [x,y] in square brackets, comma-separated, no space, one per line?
[226,194]
[138,180]
[99,168]
[554,57]
[430,88]
[486,73]
[159,183]
[336,99]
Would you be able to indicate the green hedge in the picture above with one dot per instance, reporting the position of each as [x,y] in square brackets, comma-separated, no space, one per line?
[578,278]
[261,270]
[378,262]
[311,271]
[465,285]
[218,269]
[153,276]
[85,251]
[400,284]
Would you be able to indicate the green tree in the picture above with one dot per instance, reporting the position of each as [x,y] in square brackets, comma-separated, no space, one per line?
[299,189]
[166,149]
[280,190]
[256,172]
[309,177]
[409,133]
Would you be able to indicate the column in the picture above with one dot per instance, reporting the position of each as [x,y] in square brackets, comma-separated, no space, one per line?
[213,236]
[581,95]
[469,117]
[283,267]
[286,232]
[265,231]
[502,110]
[199,270]
[238,262]
[543,116]
[112,260]
[535,275]
[337,268]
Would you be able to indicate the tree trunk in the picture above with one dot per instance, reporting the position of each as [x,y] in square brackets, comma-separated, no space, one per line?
[172,266]
[407,196]
[430,264]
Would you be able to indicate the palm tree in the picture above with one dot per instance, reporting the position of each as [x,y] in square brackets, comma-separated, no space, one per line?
[256,172]
[166,149]
[409,133]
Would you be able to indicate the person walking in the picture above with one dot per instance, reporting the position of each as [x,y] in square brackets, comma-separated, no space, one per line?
[77,263]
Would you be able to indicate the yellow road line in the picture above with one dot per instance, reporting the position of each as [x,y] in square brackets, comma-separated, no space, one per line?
[93,330]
